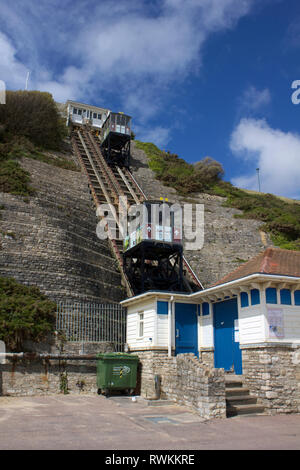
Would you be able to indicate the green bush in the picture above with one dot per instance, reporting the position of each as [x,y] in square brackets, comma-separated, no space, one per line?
[281,218]
[177,173]
[29,124]
[34,115]
[14,180]
[24,314]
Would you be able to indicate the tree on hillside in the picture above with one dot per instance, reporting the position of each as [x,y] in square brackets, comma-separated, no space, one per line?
[208,170]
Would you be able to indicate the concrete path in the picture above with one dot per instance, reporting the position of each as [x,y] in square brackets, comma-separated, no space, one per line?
[84,422]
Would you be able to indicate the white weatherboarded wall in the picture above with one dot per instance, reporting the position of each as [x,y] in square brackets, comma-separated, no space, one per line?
[251,324]
[149,338]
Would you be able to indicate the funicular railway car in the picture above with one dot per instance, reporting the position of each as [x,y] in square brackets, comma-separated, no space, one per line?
[153,249]
[115,139]
[112,129]
[80,114]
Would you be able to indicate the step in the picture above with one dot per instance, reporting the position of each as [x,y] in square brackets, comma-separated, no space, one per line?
[236,391]
[159,402]
[233,384]
[241,400]
[247,409]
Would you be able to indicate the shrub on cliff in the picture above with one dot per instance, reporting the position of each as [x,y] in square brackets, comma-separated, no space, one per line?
[179,174]
[24,314]
[34,115]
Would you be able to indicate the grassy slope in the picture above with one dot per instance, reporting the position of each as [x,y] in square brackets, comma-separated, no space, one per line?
[15,180]
[281,216]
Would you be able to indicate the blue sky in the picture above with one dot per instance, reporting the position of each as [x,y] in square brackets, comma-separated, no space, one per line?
[199,77]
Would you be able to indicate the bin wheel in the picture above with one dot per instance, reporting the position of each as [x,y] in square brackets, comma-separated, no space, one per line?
[99,391]
[131,391]
[106,393]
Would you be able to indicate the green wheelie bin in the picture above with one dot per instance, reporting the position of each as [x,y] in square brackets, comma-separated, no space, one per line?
[116,371]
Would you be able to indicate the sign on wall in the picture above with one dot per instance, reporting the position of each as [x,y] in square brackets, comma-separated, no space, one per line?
[275,321]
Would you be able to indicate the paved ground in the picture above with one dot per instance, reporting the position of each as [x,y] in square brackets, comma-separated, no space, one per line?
[94,422]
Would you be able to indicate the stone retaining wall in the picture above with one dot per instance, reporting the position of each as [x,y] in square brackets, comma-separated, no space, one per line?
[272,374]
[36,376]
[184,380]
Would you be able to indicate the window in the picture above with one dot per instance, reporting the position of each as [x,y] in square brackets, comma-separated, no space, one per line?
[205,308]
[140,325]
[162,307]
[271,295]
[95,115]
[75,111]
[99,116]
[285,297]
[297,297]
[244,299]
[255,297]
[80,112]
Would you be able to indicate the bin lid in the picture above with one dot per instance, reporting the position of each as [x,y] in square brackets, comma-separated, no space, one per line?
[116,355]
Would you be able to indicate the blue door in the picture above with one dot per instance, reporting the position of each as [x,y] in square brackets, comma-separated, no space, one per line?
[186,329]
[228,355]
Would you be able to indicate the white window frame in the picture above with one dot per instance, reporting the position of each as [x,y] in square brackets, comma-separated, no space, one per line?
[141,325]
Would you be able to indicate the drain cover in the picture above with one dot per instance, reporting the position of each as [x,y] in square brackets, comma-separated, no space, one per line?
[160,419]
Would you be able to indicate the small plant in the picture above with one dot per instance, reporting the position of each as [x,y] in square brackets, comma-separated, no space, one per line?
[81,384]
[63,382]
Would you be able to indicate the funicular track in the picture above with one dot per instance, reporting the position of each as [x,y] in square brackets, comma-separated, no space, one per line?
[109,185]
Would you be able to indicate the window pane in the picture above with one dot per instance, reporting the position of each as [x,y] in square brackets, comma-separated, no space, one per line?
[285,297]
[255,297]
[297,297]
[271,296]
[244,299]
[162,308]
[141,324]
[205,308]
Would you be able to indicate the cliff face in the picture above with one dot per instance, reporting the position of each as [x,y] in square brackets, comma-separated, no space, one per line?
[228,241]
[49,240]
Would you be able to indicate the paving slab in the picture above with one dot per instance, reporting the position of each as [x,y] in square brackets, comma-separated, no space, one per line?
[88,422]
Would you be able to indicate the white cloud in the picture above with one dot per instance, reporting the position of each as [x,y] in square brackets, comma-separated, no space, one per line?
[275,152]
[159,135]
[114,48]
[254,99]
[12,71]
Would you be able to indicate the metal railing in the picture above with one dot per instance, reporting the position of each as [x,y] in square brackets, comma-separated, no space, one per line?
[88,322]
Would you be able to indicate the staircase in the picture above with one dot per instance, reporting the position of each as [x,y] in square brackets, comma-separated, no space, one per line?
[238,399]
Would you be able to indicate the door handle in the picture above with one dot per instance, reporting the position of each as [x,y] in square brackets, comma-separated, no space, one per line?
[177,333]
